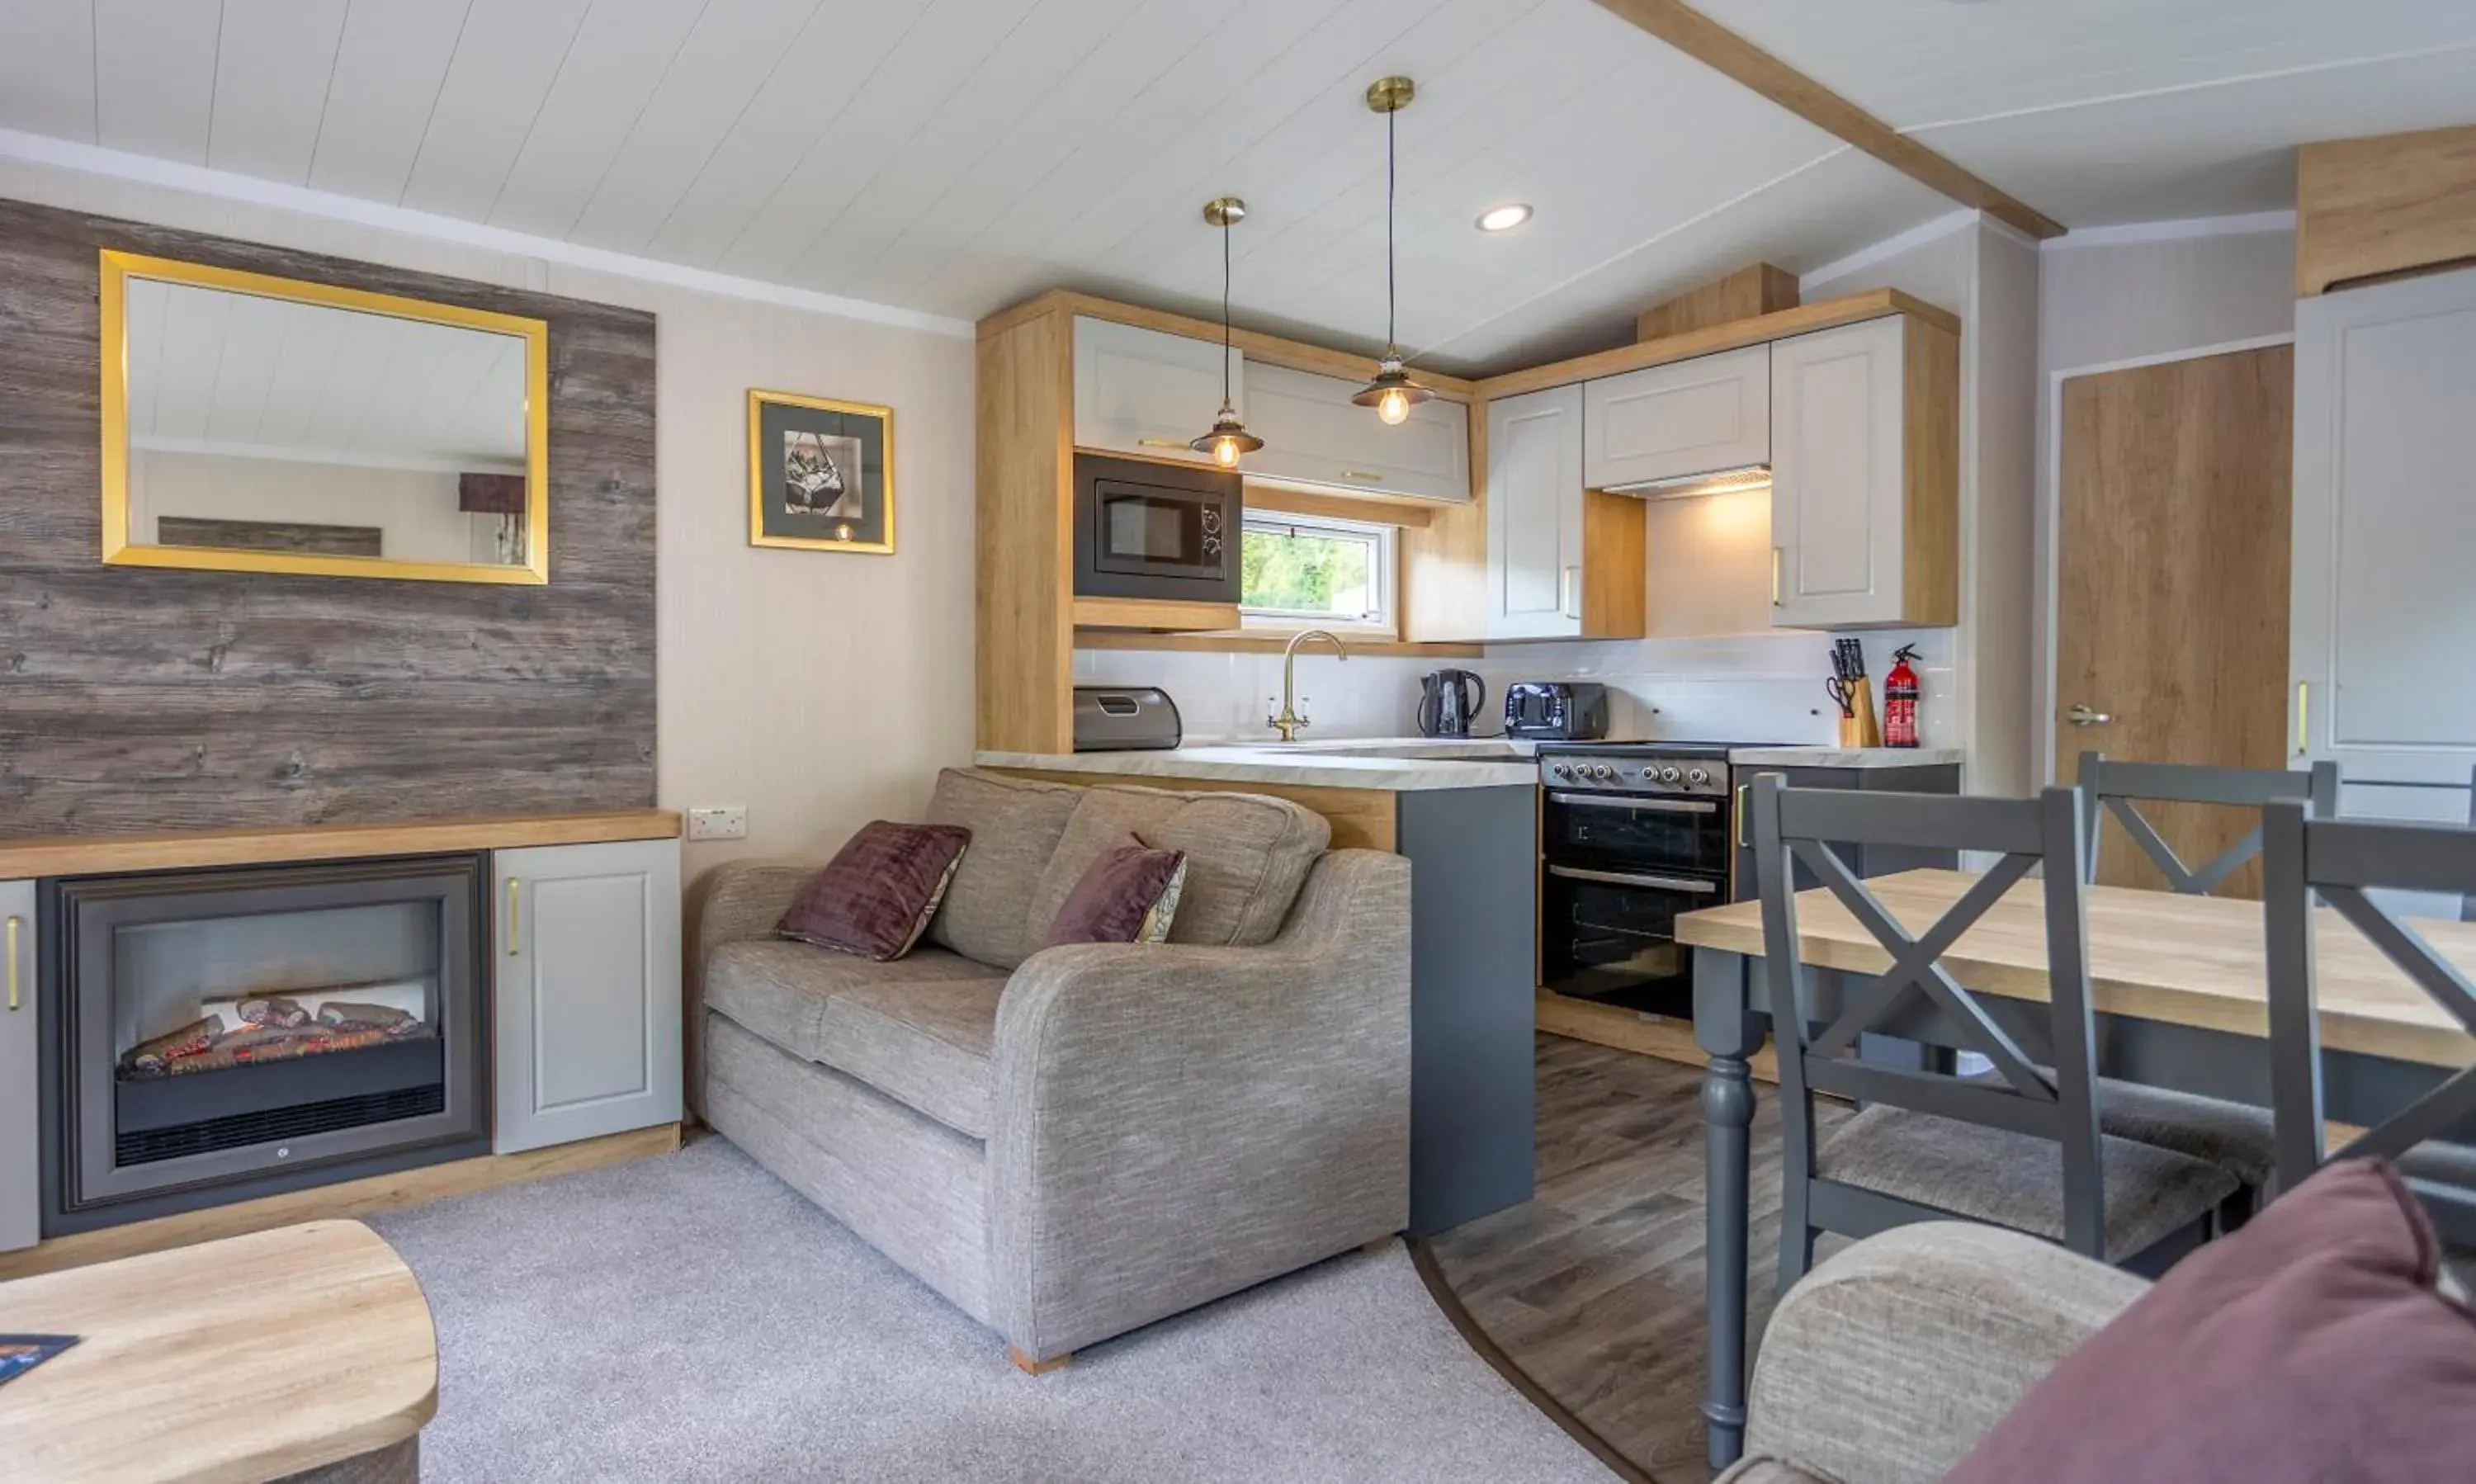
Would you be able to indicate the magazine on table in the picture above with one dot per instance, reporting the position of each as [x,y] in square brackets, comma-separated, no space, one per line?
[21,1353]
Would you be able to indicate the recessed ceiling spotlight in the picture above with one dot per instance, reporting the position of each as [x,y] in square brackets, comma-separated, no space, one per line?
[1504,218]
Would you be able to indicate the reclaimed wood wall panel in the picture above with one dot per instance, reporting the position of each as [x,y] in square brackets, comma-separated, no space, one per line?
[141,700]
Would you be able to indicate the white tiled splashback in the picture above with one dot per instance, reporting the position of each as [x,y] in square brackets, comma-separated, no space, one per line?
[1765,687]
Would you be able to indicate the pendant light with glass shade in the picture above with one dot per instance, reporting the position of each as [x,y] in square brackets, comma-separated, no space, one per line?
[1228,437]
[1393,393]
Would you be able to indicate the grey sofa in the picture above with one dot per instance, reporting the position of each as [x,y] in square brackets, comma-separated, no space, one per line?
[1889,1361]
[1072,1142]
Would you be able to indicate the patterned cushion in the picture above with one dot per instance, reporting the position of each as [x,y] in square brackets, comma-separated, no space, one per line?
[2017,1180]
[1130,895]
[918,1030]
[879,892]
[1246,856]
[1015,824]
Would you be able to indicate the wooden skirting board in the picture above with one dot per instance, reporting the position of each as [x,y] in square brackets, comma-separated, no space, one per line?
[24,860]
[347,1199]
[1626,1030]
[1362,818]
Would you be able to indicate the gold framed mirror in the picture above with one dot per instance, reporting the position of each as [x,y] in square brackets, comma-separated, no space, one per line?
[261,424]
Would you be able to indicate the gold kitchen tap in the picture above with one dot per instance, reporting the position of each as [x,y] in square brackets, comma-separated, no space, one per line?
[1289,724]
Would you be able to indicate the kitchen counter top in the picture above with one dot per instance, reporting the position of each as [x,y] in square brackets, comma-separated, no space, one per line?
[1844,756]
[1402,764]
[1387,764]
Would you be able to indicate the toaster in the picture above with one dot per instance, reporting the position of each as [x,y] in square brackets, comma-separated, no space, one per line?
[1565,711]
[1125,719]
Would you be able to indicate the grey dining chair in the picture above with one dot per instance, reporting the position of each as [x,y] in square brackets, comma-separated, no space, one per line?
[2235,1135]
[2341,860]
[2020,1149]
[2109,787]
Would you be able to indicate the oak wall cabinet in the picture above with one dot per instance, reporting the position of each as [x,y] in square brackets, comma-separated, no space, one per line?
[587,990]
[1316,437]
[1564,561]
[1148,392]
[1865,476]
[21,1196]
[1678,421]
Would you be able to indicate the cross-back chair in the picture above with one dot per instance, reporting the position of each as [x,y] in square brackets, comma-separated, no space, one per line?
[2109,787]
[2341,860]
[2020,1149]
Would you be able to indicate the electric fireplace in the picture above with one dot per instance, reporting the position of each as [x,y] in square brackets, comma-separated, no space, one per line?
[213,1035]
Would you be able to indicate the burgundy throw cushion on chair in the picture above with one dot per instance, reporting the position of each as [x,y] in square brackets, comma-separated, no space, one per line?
[1129,895]
[2310,1347]
[876,897]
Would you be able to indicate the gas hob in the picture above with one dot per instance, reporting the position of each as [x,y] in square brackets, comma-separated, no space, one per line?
[1638,767]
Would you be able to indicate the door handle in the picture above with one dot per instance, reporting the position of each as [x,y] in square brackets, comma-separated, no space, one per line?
[1636,801]
[1743,843]
[1775,577]
[14,924]
[2082,716]
[1635,878]
[1567,601]
[516,918]
[2303,730]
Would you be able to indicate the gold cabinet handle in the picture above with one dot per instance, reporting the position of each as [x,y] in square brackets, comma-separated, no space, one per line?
[1568,599]
[13,962]
[1742,842]
[1363,475]
[513,917]
[2303,729]
[1775,577]
[1159,443]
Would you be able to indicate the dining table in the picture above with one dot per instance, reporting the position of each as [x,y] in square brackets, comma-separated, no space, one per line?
[2177,988]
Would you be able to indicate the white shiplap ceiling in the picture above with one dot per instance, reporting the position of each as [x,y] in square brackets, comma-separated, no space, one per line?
[953,155]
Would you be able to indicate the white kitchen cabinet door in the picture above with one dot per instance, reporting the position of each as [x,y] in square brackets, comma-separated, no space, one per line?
[587,991]
[2381,605]
[1838,484]
[1534,514]
[1678,420]
[1314,436]
[1144,391]
[21,1187]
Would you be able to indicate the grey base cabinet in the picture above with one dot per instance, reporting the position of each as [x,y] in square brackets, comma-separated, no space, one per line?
[587,983]
[21,1190]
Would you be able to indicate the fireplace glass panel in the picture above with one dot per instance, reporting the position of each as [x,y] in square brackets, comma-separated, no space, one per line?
[210,993]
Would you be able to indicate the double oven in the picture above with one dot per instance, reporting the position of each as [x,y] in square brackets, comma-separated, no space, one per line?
[1631,835]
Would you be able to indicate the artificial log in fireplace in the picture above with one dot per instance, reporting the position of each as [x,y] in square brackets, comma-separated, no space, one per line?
[223,1034]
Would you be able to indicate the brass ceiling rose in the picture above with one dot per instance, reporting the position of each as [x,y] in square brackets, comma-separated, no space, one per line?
[1391,94]
[1225,211]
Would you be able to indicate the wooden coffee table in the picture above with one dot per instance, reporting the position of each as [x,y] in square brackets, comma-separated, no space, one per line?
[304,1353]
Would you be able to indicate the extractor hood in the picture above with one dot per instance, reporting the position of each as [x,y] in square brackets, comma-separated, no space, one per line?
[1684,486]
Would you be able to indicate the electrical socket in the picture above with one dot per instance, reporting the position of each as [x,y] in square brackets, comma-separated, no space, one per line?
[725,822]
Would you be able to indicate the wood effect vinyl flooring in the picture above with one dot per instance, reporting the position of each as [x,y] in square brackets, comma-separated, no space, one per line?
[1594,1287]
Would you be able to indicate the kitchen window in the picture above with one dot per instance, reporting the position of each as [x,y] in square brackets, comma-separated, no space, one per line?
[1298,570]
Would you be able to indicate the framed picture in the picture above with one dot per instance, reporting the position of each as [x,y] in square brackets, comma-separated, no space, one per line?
[820,474]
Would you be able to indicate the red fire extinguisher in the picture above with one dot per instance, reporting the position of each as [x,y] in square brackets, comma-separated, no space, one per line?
[1900,700]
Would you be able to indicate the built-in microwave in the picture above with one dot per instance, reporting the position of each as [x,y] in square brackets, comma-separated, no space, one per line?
[1146,529]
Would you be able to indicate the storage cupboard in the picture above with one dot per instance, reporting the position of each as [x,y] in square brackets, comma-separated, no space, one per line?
[1564,561]
[2383,681]
[1148,392]
[1675,422]
[1314,436]
[586,989]
[1865,476]
[21,1197]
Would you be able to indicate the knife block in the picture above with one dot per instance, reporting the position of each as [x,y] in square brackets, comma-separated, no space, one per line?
[1862,729]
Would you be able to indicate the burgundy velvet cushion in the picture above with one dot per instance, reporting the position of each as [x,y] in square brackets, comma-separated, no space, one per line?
[2309,1347]
[876,897]
[1129,895]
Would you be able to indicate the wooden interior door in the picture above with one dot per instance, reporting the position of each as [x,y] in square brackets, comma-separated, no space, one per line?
[2171,594]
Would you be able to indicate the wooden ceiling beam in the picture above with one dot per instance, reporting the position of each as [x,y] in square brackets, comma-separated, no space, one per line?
[1722,50]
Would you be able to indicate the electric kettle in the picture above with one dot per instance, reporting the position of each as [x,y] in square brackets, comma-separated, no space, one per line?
[1447,700]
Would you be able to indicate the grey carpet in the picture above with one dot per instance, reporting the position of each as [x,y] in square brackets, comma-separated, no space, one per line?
[691,1318]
